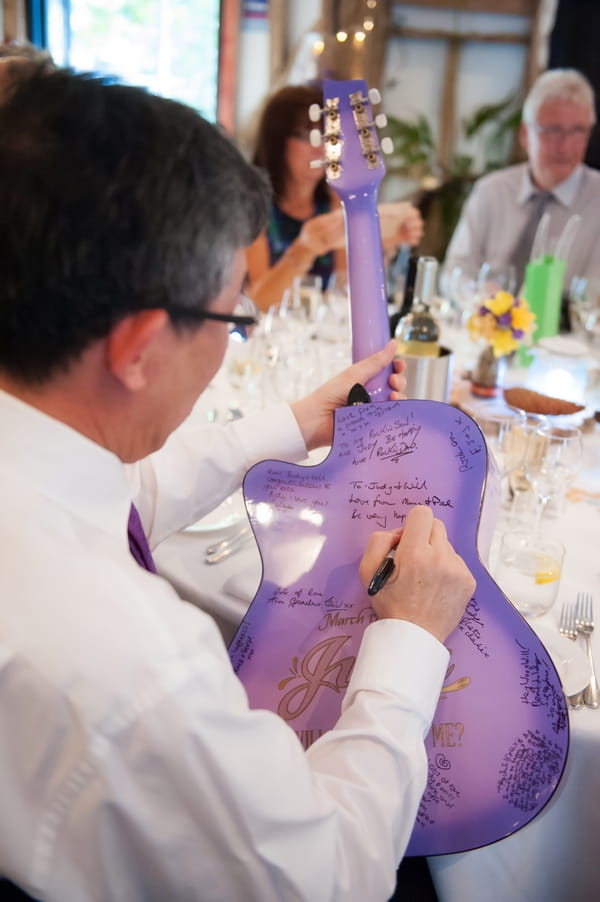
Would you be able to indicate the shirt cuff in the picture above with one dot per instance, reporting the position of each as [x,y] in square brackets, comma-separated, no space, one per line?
[402,659]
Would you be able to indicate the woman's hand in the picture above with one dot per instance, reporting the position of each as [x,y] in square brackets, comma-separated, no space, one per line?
[401,223]
[323,233]
[314,413]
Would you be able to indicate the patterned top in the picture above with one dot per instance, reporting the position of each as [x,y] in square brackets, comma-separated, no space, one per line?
[282,230]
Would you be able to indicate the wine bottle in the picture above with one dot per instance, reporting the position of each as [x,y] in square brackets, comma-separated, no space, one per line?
[417,333]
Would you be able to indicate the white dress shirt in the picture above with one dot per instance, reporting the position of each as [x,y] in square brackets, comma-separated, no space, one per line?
[495,214]
[131,768]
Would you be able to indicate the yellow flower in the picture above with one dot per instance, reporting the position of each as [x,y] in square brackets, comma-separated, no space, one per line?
[503,343]
[498,318]
[501,303]
[522,317]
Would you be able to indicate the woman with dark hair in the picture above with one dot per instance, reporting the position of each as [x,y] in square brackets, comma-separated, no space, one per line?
[305,232]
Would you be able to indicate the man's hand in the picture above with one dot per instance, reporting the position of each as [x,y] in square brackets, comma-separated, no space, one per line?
[430,584]
[314,413]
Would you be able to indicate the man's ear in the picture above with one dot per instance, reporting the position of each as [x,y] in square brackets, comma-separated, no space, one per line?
[129,344]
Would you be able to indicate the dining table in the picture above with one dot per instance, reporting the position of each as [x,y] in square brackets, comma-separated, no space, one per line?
[556,856]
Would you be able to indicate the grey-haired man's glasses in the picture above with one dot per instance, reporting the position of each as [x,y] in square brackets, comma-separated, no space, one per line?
[557,132]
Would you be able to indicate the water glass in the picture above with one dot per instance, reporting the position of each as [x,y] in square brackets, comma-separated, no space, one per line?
[528,571]
[584,308]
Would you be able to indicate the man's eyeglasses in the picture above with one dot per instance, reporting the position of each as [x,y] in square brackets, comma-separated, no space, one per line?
[557,132]
[234,319]
[238,322]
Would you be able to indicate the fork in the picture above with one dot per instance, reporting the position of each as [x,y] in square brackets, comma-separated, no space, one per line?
[584,621]
[567,627]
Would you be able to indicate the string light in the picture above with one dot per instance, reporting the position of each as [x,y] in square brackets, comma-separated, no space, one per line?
[318,47]
[342,36]
[368,24]
[359,36]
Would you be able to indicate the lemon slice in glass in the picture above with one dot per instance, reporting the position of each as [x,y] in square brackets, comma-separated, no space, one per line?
[547,569]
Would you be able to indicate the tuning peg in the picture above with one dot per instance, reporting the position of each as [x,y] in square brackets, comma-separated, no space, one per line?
[387,145]
[315,137]
[381,120]
[374,95]
[314,112]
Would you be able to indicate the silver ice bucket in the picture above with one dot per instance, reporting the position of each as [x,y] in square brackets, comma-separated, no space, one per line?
[428,378]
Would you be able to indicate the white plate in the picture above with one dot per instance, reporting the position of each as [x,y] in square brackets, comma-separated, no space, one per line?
[227,514]
[569,660]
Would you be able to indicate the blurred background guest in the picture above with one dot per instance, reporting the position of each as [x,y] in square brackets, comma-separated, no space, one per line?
[305,232]
[501,215]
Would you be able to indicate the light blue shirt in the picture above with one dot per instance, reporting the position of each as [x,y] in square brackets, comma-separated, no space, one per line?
[495,214]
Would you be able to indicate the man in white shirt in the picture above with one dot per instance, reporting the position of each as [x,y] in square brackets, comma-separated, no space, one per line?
[131,767]
[558,116]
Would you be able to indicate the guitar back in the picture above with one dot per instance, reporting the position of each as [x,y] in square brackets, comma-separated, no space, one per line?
[499,739]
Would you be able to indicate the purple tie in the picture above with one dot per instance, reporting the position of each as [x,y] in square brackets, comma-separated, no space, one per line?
[138,543]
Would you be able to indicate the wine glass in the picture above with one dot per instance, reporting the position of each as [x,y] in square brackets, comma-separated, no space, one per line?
[462,292]
[530,437]
[584,308]
[492,279]
[502,428]
[552,471]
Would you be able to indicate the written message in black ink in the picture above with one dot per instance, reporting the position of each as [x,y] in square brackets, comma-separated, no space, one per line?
[539,688]
[440,792]
[532,763]
[472,626]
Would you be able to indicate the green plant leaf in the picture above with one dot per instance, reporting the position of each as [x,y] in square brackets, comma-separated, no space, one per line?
[487,113]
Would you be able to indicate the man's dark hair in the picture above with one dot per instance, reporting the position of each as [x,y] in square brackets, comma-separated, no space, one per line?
[112,200]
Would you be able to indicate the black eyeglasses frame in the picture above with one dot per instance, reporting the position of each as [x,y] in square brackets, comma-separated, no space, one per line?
[234,319]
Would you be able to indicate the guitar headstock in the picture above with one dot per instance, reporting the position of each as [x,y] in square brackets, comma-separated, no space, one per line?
[353,153]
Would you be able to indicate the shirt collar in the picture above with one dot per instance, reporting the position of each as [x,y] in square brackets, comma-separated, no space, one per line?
[565,192]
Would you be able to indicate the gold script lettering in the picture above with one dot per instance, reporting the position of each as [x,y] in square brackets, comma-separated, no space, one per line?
[319,667]
[447,735]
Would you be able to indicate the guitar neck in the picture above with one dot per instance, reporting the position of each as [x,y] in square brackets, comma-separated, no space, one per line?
[354,171]
[366,279]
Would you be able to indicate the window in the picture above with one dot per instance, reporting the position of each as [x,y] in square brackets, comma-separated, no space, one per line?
[169,46]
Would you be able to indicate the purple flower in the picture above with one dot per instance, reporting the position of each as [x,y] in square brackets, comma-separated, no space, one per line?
[505,319]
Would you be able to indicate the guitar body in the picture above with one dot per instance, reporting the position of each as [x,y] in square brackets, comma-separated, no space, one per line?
[499,739]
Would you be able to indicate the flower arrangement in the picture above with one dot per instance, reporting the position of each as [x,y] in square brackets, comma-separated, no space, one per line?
[504,321]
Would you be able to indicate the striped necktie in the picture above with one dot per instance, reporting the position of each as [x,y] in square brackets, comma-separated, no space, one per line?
[138,543]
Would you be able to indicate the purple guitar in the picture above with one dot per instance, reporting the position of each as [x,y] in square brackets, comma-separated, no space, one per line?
[499,739]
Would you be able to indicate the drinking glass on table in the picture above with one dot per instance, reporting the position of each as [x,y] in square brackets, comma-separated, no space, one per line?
[462,293]
[492,279]
[307,301]
[502,428]
[530,437]
[528,571]
[551,474]
[584,308]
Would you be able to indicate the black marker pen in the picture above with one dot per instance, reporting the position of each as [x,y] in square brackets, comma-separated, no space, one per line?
[383,573]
